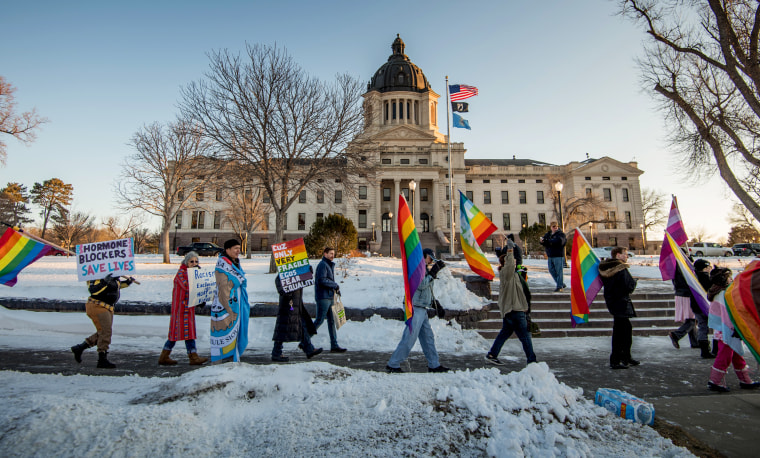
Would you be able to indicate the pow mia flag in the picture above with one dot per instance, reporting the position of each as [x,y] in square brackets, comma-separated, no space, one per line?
[460,107]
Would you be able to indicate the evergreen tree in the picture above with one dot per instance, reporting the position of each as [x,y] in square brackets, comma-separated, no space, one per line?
[53,196]
[335,231]
[14,200]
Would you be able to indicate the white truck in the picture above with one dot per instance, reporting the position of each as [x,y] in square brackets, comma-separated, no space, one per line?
[698,249]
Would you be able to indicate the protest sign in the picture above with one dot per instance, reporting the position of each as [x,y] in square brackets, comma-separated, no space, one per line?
[98,259]
[202,286]
[292,265]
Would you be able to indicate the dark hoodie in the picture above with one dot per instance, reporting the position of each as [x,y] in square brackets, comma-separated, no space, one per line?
[618,286]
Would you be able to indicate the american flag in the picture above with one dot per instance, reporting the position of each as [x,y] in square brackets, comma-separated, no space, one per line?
[461,92]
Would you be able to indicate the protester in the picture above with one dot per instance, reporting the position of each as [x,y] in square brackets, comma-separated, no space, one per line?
[104,294]
[702,269]
[618,286]
[182,320]
[293,324]
[554,242]
[422,300]
[730,346]
[684,312]
[325,290]
[513,305]
[230,310]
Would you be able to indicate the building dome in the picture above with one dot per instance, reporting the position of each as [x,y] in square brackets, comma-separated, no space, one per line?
[399,73]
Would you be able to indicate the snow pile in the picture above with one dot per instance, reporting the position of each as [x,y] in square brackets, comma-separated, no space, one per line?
[313,409]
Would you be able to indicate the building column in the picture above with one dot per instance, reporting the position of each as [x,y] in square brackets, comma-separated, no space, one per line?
[394,201]
[417,207]
[436,206]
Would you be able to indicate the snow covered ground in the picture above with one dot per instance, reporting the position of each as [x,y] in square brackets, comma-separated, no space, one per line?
[312,408]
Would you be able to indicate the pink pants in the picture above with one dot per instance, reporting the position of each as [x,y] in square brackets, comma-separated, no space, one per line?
[726,356]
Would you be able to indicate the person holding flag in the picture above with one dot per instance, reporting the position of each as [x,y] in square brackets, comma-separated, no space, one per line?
[618,287]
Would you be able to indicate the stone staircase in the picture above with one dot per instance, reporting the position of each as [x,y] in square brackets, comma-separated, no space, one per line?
[551,311]
[427,239]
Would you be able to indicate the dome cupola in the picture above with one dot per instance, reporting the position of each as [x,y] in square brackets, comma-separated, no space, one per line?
[398,73]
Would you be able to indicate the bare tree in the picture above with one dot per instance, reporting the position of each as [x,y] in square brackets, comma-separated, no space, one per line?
[22,126]
[53,196]
[118,228]
[702,63]
[576,211]
[654,208]
[699,234]
[247,212]
[263,110]
[171,163]
[739,216]
[71,228]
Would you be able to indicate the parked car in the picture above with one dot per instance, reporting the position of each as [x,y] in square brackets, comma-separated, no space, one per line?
[202,248]
[746,249]
[709,249]
[56,252]
[605,252]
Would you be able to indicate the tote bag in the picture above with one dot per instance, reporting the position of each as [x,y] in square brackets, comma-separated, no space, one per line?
[339,313]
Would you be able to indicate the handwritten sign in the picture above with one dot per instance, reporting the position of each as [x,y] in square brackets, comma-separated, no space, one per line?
[98,259]
[292,265]
[202,286]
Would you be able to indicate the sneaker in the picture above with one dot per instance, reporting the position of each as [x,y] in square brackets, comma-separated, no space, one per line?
[337,350]
[393,370]
[313,353]
[493,360]
[280,359]
[558,290]
[719,388]
[438,369]
[633,362]
[674,340]
[618,366]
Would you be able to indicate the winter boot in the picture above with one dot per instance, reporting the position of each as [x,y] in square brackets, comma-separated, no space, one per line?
[103,362]
[674,339]
[704,345]
[196,360]
[717,380]
[78,349]
[165,360]
[714,350]
[745,382]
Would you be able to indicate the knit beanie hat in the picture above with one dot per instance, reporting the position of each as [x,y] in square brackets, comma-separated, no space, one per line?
[701,264]
[230,243]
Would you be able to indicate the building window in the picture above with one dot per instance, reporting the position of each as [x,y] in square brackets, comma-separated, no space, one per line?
[285,222]
[180,195]
[611,223]
[523,197]
[302,221]
[468,194]
[625,195]
[385,161]
[505,197]
[199,195]
[338,196]
[264,246]
[607,194]
[423,161]
[505,223]
[486,197]
[266,198]
[588,178]
[337,180]
[486,181]
[248,195]
[448,219]
[504,181]
[363,192]
[218,194]
[424,194]
[217,220]
[178,220]
[386,194]
[198,218]
[539,197]
[405,192]
[320,197]
[624,178]
[489,216]
[468,181]
[521,181]
[589,195]
[302,197]
[542,219]
[362,219]
[605,178]
[613,241]
[320,216]
[265,222]
[448,193]
[628,221]
[524,219]
[404,161]
[631,244]
[539,181]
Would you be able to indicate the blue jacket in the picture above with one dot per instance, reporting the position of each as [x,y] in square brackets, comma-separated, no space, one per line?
[423,297]
[324,280]
[554,244]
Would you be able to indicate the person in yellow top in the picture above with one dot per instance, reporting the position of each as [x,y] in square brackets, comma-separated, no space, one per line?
[104,294]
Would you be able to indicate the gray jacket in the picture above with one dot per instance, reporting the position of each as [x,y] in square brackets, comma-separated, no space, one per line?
[423,297]
[511,295]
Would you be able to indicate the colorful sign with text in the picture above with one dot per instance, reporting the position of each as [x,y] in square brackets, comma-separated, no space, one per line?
[293,265]
[202,284]
[98,259]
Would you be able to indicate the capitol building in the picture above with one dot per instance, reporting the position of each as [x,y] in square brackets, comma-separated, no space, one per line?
[403,129]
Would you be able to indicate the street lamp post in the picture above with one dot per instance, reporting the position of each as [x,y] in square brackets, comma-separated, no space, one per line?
[176,226]
[390,215]
[558,187]
[373,231]
[591,228]
[525,241]
[412,187]
[643,239]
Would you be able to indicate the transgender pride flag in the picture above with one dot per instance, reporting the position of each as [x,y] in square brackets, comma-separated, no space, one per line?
[677,232]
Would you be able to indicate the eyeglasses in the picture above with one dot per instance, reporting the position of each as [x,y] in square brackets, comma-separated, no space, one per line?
[193,261]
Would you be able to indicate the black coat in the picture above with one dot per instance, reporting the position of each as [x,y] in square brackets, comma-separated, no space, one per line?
[618,286]
[679,284]
[291,311]
[554,244]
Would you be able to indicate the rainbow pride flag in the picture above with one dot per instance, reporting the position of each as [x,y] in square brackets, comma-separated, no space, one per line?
[687,270]
[411,257]
[742,299]
[474,228]
[16,252]
[585,282]
[678,233]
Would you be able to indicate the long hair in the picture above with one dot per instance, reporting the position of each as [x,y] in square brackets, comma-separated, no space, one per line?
[720,278]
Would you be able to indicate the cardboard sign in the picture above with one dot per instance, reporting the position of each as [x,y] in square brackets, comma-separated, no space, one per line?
[202,286]
[98,259]
[292,265]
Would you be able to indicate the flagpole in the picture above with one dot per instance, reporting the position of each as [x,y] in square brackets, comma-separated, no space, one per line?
[686,243]
[451,175]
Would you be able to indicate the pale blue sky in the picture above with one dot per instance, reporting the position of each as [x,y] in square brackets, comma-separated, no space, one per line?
[557,79]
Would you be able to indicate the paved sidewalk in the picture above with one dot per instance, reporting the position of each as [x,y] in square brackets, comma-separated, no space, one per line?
[675,382]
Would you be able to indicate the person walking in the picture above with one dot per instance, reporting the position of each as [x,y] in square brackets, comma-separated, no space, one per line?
[513,305]
[422,300]
[684,312]
[618,286]
[730,346]
[293,324]
[702,269]
[325,290]
[554,242]
[104,294]
[182,320]
[230,310]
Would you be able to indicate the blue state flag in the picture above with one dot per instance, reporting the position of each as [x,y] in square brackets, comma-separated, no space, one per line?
[461,122]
